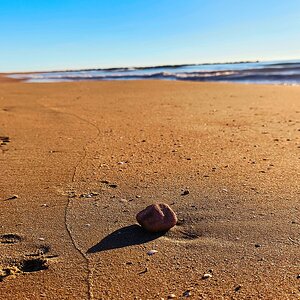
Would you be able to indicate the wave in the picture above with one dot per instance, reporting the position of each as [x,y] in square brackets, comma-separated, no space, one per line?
[276,72]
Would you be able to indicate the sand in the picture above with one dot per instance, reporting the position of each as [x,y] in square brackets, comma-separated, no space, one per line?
[79,160]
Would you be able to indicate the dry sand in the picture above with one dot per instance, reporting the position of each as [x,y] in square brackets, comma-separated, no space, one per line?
[83,158]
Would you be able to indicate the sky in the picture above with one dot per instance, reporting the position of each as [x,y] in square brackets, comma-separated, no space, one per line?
[40,35]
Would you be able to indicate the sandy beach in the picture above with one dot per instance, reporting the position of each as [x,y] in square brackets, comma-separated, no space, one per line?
[80,159]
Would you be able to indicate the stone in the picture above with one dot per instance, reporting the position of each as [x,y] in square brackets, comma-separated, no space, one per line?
[238,287]
[185,192]
[207,276]
[157,217]
[187,293]
[151,252]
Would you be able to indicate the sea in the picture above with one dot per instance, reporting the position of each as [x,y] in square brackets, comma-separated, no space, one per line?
[271,72]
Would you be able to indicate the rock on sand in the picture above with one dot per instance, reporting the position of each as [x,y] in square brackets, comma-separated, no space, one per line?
[157,217]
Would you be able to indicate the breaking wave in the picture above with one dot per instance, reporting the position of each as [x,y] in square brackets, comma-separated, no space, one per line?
[258,72]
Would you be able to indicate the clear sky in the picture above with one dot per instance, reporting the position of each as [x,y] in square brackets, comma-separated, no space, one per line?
[72,34]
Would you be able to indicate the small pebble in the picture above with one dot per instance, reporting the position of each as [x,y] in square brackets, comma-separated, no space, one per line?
[152,252]
[206,276]
[171,296]
[257,245]
[89,195]
[186,192]
[237,288]
[187,293]
[298,276]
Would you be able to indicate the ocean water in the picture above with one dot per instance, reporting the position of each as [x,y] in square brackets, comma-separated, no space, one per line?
[274,72]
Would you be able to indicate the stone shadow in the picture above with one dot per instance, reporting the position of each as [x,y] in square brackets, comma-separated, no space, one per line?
[124,237]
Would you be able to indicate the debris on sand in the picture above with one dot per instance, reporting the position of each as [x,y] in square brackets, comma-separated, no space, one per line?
[12,197]
[187,293]
[143,272]
[207,276]
[113,185]
[157,217]
[89,195]
[238,287]
[151,252]
[109,184]
[185,192]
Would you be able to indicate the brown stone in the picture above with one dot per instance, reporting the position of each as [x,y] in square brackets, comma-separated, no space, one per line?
[157,217]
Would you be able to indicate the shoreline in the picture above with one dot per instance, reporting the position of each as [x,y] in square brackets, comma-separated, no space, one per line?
[274,72]
[5,79]
[83,158]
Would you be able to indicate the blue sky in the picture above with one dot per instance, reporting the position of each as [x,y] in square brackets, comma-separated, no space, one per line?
[72,34]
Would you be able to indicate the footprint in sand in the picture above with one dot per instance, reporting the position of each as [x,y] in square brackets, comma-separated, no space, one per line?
[24,266]
[33,265]
[37,260]
[10,238]
[4,140]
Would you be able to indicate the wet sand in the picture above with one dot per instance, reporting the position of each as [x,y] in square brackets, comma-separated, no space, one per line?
[79,160]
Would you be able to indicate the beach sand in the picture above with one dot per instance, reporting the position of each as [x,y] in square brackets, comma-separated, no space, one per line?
[79,160]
